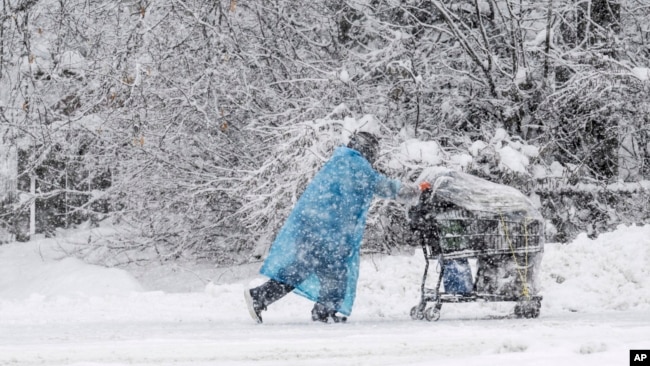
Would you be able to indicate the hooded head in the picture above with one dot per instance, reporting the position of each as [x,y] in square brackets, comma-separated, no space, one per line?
[366,144]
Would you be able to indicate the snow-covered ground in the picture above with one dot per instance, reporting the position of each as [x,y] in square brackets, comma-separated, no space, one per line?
[57,310]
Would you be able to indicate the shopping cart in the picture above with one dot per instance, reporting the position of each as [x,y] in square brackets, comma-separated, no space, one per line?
[464,218]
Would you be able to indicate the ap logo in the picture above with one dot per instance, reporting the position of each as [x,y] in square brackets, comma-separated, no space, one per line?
[639,357]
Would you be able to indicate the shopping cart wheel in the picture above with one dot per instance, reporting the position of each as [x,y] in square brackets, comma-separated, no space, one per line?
[528,309]
[432,314]
[416,313]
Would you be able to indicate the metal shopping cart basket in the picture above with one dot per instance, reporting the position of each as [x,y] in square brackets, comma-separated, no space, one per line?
[465,219]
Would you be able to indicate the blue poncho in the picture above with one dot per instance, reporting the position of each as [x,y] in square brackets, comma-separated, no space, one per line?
[317,249]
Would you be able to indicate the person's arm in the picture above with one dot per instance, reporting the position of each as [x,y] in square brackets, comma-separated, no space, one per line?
[410,193]
[394,189]
[387,188]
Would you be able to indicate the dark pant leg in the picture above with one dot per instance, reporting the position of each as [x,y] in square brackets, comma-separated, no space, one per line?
[289,276]
[333,286]
[270,292]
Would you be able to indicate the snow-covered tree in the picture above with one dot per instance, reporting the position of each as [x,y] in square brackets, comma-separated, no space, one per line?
[197,124]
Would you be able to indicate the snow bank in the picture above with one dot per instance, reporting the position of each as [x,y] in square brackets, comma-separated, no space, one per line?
[607,273]
[35,268]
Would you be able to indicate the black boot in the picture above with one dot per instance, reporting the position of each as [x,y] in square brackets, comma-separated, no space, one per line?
[338,318]
[320,313]
[258,298]
[255,307]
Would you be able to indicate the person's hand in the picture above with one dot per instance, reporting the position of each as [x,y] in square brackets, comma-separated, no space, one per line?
[424,186]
